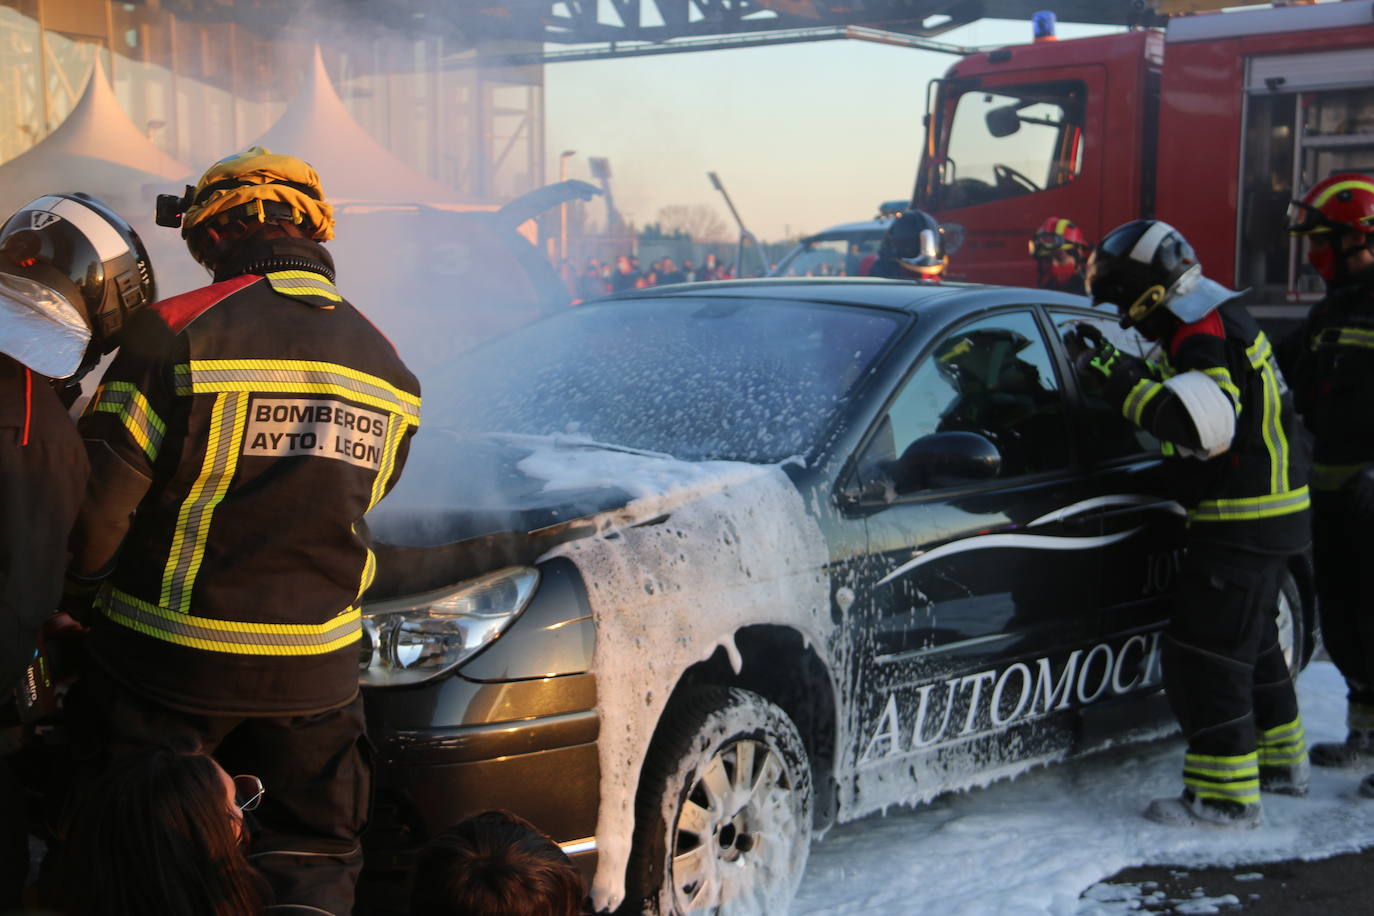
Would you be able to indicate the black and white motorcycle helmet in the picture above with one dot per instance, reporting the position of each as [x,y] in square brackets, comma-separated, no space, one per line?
[1147,264]
[72,273]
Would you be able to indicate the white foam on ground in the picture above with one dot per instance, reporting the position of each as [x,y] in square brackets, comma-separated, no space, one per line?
[1033,845]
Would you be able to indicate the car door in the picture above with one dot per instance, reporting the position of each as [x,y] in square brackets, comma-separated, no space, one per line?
[1140,521]
[972,590]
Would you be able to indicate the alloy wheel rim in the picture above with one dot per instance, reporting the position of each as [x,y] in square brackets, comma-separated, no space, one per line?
[735,832]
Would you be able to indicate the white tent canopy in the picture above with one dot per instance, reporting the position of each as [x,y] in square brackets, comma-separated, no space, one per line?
[97,149]
[353,167]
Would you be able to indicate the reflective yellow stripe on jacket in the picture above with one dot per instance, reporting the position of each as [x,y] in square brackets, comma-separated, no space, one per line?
[294,376]
[1280,500]
[240,637]
[125,401]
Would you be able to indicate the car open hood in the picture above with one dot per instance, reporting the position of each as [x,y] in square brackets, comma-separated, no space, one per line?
[469,504]
[464,506]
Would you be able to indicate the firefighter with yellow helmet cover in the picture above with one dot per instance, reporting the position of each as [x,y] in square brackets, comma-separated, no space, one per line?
[1219,405]
[1333,379]
[236,443]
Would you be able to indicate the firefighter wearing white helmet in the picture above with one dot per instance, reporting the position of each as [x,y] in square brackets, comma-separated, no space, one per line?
[1218,403]
[239,438]
[71,273]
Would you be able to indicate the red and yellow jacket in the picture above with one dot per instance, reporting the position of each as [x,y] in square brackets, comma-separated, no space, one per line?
[248,427]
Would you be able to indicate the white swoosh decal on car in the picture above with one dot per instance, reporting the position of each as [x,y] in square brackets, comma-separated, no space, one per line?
[1022,541]
[1102,502]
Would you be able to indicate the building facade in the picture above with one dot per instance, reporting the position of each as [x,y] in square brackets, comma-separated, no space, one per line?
[203,78]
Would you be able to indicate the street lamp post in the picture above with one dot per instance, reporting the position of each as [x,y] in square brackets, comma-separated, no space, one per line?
[563,207]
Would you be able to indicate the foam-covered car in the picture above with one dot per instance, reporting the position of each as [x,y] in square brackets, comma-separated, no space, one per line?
[683,574]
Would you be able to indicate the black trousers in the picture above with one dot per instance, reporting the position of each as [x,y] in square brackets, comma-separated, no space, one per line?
[316,770]
[1224,672]
[1343,549]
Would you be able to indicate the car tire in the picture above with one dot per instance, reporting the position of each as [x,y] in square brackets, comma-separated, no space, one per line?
[1292,624]
[723,812]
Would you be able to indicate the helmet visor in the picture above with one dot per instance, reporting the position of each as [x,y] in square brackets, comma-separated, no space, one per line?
[1045,244]
[1304,219]
[40,328]
[927,253]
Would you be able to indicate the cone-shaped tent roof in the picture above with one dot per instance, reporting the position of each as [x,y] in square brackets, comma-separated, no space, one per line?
[97,149]
[353,167]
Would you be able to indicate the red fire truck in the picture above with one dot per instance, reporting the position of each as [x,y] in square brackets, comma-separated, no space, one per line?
[1213,125]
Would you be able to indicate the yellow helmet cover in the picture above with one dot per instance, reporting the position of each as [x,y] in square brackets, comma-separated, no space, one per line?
[258,174]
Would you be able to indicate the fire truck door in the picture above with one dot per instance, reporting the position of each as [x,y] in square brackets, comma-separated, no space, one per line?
[1019,147]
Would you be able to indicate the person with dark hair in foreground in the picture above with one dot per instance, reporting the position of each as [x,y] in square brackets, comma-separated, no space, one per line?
[160,831]
[495,864]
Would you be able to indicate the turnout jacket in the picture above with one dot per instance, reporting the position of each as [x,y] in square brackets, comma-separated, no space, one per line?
[42,477]
[248,426]
[1333,381]
[1254,494]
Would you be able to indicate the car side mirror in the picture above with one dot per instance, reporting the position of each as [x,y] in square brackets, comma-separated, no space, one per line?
[1004,121]
[943,460]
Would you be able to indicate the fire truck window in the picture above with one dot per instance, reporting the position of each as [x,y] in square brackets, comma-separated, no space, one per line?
[1112,436]
[1012,141]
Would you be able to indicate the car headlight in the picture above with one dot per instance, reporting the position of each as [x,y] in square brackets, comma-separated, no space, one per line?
[413,639]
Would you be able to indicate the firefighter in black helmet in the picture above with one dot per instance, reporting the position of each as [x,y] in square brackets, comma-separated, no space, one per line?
[236,442]
[71,273]
[912,249]
[1221,409]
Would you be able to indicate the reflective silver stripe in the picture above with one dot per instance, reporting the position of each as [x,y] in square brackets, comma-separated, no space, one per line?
[1148,244]
[282,377]
[573,847]
[103,237]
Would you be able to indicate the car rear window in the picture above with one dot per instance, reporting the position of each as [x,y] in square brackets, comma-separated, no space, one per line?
[737,379]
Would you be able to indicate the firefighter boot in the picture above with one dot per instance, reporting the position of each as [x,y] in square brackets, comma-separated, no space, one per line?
[1283,763]
[1188,810]
[1286,779]
[1356,750]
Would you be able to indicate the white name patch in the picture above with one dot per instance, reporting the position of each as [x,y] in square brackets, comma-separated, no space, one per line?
[282,427]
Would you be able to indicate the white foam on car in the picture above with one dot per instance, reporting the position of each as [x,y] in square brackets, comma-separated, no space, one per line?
[737,548]
[1032,846]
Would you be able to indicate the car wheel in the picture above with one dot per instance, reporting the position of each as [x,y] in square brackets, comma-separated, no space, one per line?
[1291,623]
[723,814]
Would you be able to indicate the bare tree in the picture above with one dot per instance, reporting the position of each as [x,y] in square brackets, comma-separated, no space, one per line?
[699,221]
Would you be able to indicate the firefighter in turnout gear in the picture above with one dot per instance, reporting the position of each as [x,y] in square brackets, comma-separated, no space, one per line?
[1060,251]
[236,443]
[1333,381]
[71,272]
[1219,405]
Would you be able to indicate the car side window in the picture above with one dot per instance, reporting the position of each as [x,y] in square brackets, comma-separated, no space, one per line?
[1113,436]
[993,377]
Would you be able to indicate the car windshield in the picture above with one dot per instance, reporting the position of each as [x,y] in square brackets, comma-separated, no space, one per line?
[739,379]
[839,255]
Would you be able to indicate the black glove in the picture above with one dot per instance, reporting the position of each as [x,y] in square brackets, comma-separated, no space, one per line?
[1082,336]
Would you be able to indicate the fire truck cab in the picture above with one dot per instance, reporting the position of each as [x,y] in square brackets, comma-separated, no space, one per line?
[1212,125]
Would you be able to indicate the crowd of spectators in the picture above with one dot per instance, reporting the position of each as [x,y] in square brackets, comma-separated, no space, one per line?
[598,279]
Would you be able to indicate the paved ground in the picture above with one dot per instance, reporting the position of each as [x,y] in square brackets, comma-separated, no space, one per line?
[1338,886]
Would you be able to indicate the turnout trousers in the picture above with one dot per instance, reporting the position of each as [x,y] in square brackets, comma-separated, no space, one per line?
[1225,674]
[316,771]
[1343,549]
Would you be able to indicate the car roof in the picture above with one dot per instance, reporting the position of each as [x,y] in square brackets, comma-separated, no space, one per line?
[935,299]
[873,225]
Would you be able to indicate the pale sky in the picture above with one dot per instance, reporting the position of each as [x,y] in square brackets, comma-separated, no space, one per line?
[803,136]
